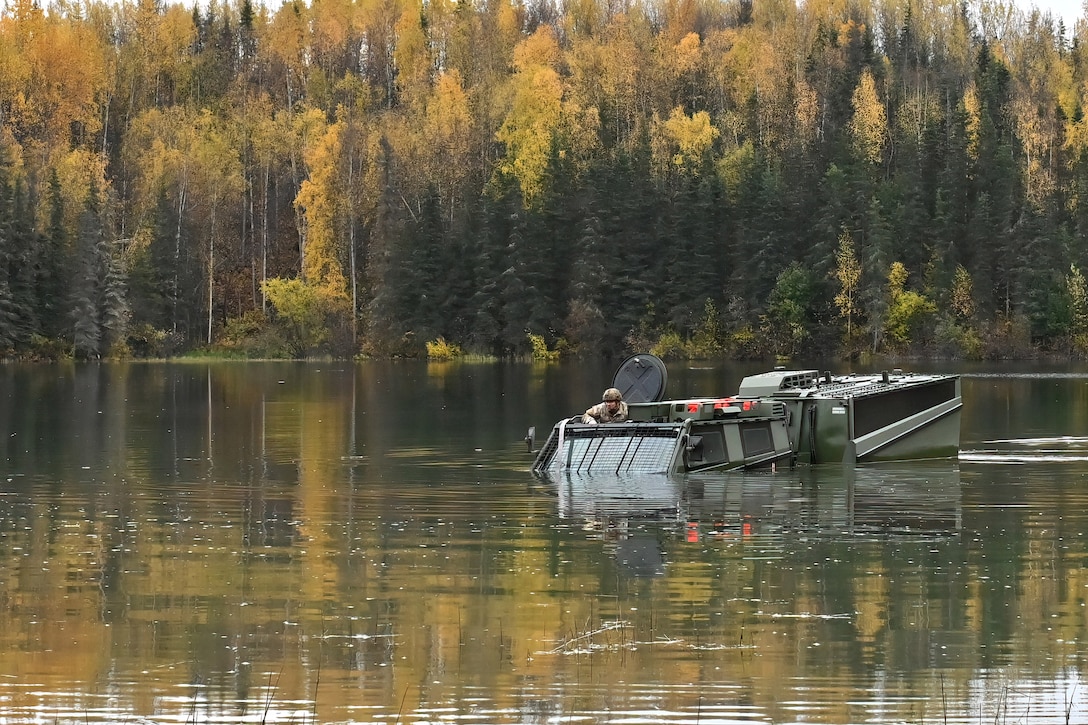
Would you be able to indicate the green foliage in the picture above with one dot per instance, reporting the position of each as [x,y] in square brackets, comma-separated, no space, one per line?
[441,349]
[300,314]
[585,326]
[253,336]
[789,319]
[51,274]
[644,334]
[957,341]
[708,340]
[745,344]
[955,334]
[1007,338]
[1077,292]
[848,275]
[539,349]
[908,314]
[84,310]
[1080,345]
[48,348]
[113,304]
[670,346]
[145,341]
[735,166]
[962,294]
[536,177]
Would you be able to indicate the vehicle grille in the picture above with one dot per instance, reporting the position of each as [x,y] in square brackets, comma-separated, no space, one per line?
[612,448]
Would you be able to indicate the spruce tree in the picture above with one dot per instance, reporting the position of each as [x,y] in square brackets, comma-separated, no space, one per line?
[52,277]
[114,308]
[23,259]
[83,305]
[9,321]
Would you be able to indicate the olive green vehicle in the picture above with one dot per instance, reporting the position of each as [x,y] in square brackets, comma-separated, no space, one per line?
[782,417]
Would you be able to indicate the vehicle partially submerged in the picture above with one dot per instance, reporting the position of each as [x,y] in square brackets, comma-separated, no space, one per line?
[893,498]
[782,417]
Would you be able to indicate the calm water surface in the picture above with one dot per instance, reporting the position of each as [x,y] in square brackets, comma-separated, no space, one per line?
[305,543]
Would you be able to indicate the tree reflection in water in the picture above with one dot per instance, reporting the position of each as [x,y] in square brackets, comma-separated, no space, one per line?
[362,543]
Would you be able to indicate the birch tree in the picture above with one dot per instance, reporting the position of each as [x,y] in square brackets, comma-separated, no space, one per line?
[848,274]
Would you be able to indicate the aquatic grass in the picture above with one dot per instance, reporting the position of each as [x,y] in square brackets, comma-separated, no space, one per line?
[616,636]
[605,629]
[192,710]
[944,700]
[400,709]
[317,675]
[268,698]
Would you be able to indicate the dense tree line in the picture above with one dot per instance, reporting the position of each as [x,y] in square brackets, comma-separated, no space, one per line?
[704,177]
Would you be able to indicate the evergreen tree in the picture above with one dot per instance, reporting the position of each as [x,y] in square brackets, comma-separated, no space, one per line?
[876,255]
[763,242]
[151,284]
[52,272]
[995,187]
[23,258]
[85,285]
[114,308]
[692,256]
[900,123]
[632,259]
[586,327]
[524,284]
[433,264]
[486,306]
[392,277]
[9,238]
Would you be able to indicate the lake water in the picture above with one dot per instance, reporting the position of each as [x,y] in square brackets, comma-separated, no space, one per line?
[342,543]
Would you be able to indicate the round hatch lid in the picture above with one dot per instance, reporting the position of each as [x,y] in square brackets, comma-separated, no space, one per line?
[641,379]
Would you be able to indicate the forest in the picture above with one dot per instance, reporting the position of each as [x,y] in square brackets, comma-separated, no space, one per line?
[699,178]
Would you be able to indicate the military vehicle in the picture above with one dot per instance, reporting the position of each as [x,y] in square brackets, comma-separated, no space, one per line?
[781,417]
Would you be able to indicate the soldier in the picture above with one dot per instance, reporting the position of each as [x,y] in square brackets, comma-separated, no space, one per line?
[612,409]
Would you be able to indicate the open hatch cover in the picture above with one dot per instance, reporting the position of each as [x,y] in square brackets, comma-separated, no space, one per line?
[641,378]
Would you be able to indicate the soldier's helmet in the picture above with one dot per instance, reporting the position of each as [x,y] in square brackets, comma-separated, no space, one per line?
[612,394]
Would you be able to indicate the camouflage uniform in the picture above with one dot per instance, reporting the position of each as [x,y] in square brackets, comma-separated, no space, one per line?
[603,413]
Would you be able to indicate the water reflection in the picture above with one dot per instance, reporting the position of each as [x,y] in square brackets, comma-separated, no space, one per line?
[617,496]
[916,498]
[1053,449]
[905,499]
[311,543]
[648,522]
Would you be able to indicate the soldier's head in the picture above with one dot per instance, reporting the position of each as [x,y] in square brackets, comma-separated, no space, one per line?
[612,398]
